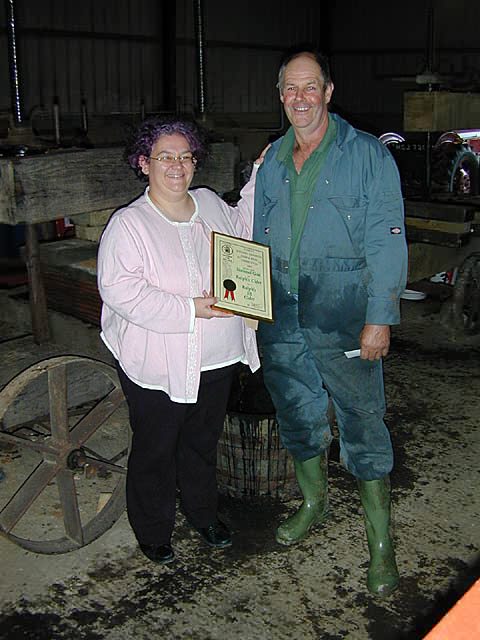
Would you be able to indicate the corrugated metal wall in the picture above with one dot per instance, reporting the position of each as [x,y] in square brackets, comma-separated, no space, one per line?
[116,55]
[377,52]
[371,45]
[108,53]
[243,42]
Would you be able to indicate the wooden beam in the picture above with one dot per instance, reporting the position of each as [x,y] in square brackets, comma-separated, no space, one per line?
[442,226]
[440,210]
[54,185]
[38,301]
[62,184]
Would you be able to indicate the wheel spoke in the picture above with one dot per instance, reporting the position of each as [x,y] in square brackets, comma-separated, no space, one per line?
[57,392]
[69,502]
[26,495]
[89,423]
[21,441]
[101,465]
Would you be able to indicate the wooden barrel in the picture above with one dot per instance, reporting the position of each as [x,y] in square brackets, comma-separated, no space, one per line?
[251,461]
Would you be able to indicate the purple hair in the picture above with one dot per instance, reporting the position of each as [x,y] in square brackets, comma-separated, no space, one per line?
[149,131]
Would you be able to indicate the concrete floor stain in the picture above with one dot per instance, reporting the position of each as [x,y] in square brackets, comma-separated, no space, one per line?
[314,591]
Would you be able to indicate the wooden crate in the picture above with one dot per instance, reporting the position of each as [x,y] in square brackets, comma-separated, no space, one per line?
[69,269]
[440,110]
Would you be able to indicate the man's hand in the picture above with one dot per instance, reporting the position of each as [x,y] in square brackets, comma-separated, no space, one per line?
[260,158]
[374,341]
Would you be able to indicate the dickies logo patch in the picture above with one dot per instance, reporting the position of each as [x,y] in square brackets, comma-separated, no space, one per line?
[395,231]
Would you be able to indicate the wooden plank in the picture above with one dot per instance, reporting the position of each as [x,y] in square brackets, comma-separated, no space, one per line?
[457,199]
[439,210]
[442,226]
[66,183]
[437,237]
[38,302]
[62,184]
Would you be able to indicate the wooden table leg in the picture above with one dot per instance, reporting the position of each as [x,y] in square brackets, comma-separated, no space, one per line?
[38,302]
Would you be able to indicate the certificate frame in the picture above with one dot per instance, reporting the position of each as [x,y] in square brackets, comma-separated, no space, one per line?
[242,277]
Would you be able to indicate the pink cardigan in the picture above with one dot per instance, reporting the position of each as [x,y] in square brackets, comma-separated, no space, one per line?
[148,275]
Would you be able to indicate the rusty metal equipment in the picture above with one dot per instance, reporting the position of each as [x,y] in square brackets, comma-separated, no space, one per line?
[443,221]
[444,236]
[64,440]
[462,311]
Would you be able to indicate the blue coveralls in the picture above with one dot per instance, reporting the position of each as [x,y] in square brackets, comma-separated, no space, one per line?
[352,270]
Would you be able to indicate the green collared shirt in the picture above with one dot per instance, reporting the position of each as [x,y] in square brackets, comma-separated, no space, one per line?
[302,186]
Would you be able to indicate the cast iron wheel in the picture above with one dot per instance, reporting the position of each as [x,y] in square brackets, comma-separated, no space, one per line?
[455,169]
[466,295]
[64,440]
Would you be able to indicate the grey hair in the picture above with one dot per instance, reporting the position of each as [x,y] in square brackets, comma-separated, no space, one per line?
[319,58]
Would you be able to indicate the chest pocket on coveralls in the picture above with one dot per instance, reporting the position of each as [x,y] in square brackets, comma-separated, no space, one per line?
[350,212]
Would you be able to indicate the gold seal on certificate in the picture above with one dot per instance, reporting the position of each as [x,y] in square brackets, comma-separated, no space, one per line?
[242,277]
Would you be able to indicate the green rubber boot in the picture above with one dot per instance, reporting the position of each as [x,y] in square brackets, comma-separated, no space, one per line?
[312,479]
[382,576]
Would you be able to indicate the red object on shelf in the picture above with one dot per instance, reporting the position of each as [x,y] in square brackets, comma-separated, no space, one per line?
[64,228]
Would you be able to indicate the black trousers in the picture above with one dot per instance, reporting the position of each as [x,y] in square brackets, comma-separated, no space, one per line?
[174,445]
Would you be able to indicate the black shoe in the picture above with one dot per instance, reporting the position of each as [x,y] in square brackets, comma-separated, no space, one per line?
[216,535]
[161,554]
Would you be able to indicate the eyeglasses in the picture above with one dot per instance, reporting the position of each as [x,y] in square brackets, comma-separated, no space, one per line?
[169,158]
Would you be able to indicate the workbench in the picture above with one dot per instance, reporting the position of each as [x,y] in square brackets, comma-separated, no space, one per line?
[441,233]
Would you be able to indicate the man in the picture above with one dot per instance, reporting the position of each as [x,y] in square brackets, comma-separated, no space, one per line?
[328,203]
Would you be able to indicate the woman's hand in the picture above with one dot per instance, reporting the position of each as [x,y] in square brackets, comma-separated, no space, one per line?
[260,158]
[203,308]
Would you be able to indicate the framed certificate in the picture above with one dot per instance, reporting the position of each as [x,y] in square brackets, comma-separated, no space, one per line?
[242,277]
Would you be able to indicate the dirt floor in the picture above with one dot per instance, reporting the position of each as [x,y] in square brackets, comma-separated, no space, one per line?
[257,589]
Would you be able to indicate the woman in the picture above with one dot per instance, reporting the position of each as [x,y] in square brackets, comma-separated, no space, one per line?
[175,354]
